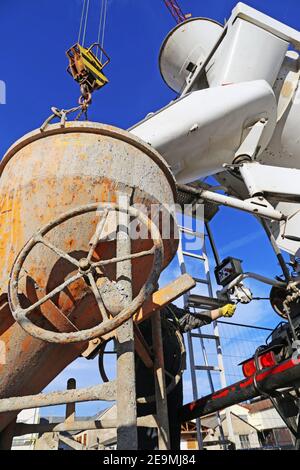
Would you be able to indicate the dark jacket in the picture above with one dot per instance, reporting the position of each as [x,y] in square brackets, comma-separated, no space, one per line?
[185,320]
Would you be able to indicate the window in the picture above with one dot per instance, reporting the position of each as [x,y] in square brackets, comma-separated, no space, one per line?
[276,438]
[283,437]
[244,440]
[192,444]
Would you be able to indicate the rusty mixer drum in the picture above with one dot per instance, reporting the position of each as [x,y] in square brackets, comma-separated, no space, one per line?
[47,173]
[50,173]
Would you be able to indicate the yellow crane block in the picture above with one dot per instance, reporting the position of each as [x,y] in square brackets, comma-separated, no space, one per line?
[86,68]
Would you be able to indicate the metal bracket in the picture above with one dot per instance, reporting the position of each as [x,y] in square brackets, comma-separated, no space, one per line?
[250,146]
[280,183]
[256,206]
[257,277]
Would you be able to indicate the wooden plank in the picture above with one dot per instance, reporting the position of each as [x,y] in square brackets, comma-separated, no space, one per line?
[165,296]
[142,347]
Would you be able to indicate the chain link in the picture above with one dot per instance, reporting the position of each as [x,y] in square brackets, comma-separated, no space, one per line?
[84,102]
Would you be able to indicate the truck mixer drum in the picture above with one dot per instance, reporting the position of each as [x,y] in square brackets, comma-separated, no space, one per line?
[88,269]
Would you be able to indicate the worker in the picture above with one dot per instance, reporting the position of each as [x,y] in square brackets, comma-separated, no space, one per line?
[188,321]
[175,322]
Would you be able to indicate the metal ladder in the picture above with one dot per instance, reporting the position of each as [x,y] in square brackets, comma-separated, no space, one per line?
[197,303]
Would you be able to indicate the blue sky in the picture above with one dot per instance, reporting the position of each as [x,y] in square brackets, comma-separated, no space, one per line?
[35,34]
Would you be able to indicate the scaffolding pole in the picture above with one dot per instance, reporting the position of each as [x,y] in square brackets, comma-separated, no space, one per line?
[160,384]
[126,381]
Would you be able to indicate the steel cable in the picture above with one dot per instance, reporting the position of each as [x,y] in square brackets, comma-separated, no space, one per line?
[86,21]
[104,27]
[100,21]
[81,20]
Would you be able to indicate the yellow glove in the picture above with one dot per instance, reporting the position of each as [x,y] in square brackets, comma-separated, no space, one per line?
[228,310]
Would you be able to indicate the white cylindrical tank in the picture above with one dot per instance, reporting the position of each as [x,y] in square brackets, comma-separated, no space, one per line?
[247,52]
[242,50]
[284,148]
[200,132]
[186,45]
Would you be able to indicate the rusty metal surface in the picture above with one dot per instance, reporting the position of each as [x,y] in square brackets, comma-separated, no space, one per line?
[156,301]
[64,168]
[21,429]
[90,128]
[42,176]
[6,319]
[108,324]
[103,392]
[31,364]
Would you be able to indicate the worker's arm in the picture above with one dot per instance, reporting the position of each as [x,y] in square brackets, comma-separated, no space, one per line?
[188,321]
[227,311]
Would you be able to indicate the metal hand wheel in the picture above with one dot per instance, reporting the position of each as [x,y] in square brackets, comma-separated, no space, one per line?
[87,270]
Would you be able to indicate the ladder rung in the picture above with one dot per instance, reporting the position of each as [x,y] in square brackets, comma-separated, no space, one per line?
[193,255]
[213,368]
[198,335]
[189,231]
[201,281]
[201,301]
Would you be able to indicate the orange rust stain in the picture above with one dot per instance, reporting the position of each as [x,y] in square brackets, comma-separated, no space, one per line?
[70,243]
[27,344]
[11,235]
[22,213]
[287,89]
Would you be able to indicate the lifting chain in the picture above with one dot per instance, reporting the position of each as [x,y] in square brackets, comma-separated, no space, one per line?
[84,102]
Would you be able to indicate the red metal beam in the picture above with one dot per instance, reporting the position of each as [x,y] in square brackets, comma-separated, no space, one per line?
[175,10]
[286,374]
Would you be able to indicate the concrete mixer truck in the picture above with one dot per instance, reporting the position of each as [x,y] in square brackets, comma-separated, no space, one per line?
[65,188]
[237,118]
